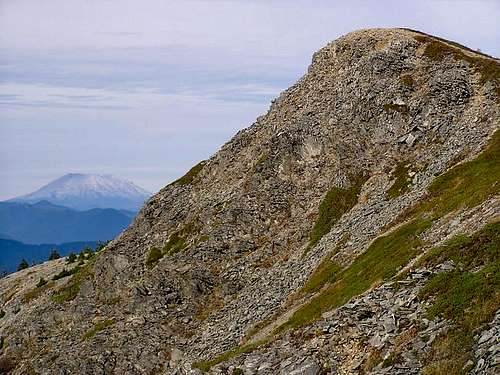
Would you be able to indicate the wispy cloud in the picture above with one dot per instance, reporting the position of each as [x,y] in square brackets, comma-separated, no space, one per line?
[124,86]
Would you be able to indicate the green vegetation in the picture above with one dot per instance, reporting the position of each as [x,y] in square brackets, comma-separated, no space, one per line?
[401,108]
[23,265]
[54,254]
[189,177]
[488,68]
[407,80]
[466,296]
[260,161]
[98,327]
[153,257]
[41,282]
[36,292]
[465,185]
[381,261]
[70,290]
[71,258]
[206,365]
[66,273]
[337,202]
[176,242]
[401,180]
[85,254]
[325,273]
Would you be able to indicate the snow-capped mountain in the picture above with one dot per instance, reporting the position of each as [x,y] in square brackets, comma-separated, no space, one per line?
[86,191]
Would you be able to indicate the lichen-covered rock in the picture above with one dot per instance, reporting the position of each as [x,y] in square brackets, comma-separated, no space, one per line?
[222,260]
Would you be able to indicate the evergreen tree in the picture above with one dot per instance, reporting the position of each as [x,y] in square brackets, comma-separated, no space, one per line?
[71,258]
[54,254]
[23,265]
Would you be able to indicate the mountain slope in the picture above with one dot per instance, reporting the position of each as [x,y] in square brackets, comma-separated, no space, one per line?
[44,222]
[86,191]
[314,241]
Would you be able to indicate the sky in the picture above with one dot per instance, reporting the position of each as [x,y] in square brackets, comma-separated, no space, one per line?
[145,89]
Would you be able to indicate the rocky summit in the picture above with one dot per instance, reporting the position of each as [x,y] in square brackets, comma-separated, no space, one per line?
[352,229]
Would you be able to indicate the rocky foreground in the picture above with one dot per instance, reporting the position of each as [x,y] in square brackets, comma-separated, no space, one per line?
[353,229]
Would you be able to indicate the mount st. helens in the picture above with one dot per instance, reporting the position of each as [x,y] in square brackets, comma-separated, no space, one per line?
[85,191]
[352,229]
[71,212]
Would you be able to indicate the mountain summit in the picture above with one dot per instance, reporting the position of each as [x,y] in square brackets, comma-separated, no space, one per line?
[86,191]
[352,229]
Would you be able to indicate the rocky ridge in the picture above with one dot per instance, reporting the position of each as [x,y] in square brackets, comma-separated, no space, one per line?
[297,247]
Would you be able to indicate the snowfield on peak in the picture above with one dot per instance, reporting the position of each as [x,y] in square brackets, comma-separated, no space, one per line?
[86,191]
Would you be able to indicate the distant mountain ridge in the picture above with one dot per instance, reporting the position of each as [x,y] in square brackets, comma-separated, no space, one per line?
[44,222]
[86,191]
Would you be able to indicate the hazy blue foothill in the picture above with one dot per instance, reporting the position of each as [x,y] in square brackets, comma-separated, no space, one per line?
[69,213]
[12,252]
[44,222]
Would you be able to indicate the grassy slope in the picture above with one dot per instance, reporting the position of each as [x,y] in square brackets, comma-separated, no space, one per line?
[463,186]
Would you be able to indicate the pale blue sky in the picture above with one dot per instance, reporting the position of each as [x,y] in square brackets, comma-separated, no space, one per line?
[145,89]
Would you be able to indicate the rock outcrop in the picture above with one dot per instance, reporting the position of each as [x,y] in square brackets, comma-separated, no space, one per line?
[315,241]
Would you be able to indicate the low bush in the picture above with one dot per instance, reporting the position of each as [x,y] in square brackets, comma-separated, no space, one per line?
[98,327]
[54,254]
[66,273]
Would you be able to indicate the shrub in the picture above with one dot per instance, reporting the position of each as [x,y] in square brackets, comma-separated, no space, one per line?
[407,80]
[98,327]
[54,254]
[23,265]
[154,256]
[101,245]
[71,258]
[65,273]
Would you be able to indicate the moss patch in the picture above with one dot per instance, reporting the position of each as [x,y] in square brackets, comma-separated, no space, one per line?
[98,327]
[36,292]
[407,80]
[401,179]
[154,256]
[379,262]
[465,185]
[175,243]
[190,176]
[206,365]
[337,202]
[466,296]
[400,108]
[70,290]
[326,272]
